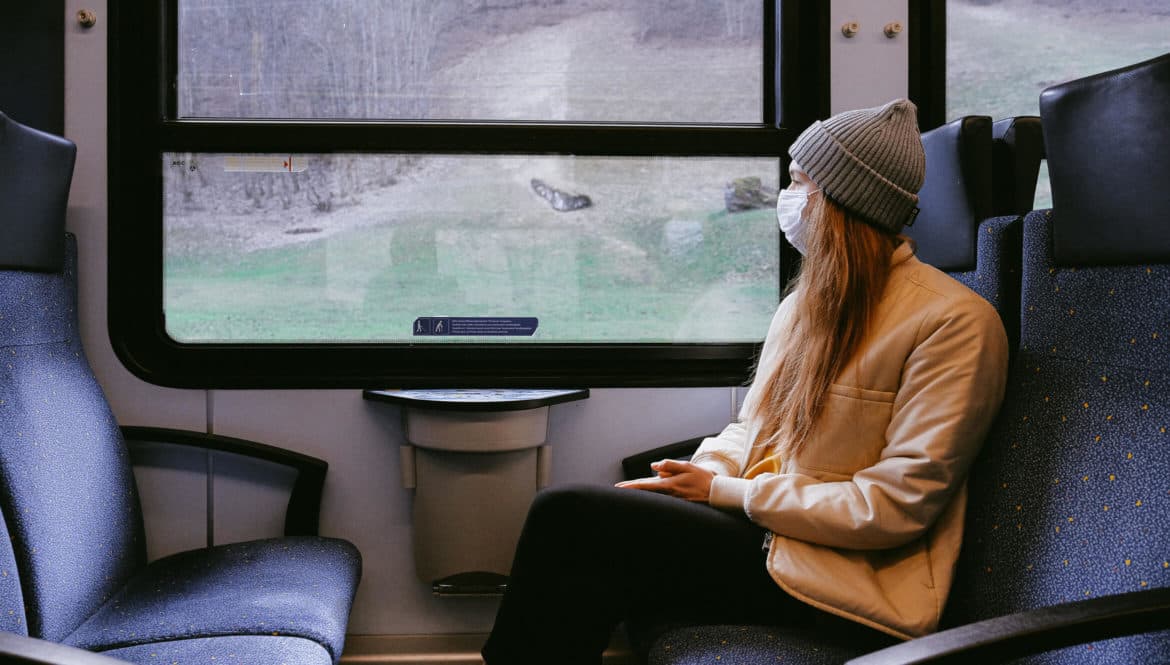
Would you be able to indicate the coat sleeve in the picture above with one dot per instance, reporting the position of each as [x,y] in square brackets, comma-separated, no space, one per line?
[952,386]
[727,453]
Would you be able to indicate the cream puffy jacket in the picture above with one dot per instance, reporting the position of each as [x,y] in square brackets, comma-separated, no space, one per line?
[868,520]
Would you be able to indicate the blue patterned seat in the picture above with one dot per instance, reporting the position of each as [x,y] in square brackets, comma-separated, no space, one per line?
[1069,498]
[73,566]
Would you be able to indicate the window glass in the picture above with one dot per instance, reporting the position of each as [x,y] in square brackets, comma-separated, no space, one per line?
[358,248]
[1002,53]
[676,61]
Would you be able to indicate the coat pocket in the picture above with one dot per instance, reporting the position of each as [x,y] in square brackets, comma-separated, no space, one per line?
[851,431]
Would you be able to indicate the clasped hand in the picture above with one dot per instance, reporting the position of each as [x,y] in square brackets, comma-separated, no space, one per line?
[679,479]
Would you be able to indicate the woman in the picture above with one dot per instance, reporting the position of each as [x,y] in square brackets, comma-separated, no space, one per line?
[841,491]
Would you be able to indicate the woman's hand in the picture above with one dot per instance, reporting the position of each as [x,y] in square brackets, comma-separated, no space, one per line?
[679,479]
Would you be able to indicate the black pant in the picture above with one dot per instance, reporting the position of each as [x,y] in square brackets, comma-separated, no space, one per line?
[592,556]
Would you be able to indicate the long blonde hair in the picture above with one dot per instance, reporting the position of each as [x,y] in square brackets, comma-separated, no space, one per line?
[837,290]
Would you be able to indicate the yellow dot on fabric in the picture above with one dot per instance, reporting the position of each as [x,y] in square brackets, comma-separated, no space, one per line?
[1097,439]
[1004,486]
[1058,529]
[1088,593]
[1104,379]
[1106,507]
[1030,567]
[1129,456]
[1138,503]
[1019,525]
[1161,430]
[1147,383]
[1112,477]
[1064,419]
[1128,561]
[1143,583]
[1070,519]
[1166,564]
[1056,290]
[1086,479]
[1047,398]
[1108,417]
[1019,507]
[1145,407]
[1133,340]
[1066,562]
[1054,349]
[1072,312]
[1085,404]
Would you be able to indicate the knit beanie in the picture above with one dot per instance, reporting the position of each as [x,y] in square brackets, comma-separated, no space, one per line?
[869,161]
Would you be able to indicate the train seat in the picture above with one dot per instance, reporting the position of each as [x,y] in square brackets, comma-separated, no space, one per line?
[1017,150]
[1069,498]
[73,567]
[75,562]
[954,232]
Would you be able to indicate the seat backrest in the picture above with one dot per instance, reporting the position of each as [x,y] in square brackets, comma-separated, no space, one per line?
[1016,152]
[35,171]
[1069,498]
[953,232]
[67,491]
[956,194]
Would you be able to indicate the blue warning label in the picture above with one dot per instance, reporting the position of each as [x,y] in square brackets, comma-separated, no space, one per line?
[475,326]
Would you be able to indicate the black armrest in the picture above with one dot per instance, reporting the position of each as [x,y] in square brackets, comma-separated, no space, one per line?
[304,504]
[21,650]
[638,466]
[1035,631]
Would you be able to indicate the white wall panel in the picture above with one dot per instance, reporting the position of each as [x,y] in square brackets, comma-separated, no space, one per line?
[868,69]
[172,481]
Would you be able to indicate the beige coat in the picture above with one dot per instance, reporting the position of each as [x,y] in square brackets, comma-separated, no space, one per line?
[868,520]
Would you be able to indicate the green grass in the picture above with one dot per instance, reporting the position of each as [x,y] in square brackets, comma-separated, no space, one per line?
[370,284]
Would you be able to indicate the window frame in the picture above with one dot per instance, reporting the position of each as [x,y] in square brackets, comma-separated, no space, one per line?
[143,125]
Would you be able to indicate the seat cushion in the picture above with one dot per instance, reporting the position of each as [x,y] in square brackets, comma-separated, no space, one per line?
[757,645]
[297,587]
[244,650]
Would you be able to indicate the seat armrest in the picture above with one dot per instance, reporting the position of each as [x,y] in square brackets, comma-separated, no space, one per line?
[302,518]
[1034,631]
[21,650]
[638,466]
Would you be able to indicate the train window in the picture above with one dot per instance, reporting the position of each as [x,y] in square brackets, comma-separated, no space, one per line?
[452,192]
[1002,53]
[347,247]
[596,61]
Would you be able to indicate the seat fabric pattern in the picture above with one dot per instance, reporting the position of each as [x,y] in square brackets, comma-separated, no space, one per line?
[750,645]
[238,589]
[252,650]
[11,597]
[66,485]
[997,275]
[1070,497]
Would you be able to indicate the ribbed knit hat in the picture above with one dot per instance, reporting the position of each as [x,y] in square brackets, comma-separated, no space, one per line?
[870,161]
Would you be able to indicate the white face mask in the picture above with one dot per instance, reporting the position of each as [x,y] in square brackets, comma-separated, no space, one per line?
[789,212]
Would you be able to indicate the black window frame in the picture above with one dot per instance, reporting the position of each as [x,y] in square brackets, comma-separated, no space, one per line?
[143,126]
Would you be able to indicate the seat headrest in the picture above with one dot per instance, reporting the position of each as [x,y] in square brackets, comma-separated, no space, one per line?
[1017,150]
[36,170]
[956,195]
[1108,143]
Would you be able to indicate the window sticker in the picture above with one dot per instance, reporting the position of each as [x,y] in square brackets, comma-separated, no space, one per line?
[475,326]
